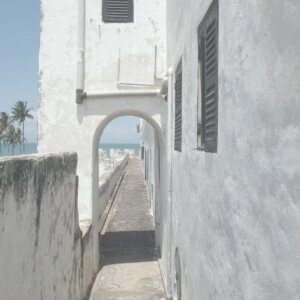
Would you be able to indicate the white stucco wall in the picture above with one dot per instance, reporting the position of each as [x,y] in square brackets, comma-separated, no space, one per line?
[131,43]
[148,141]
[65,126]
[109,181]
[43,253]
[152,166]
[155,166]
[236,214]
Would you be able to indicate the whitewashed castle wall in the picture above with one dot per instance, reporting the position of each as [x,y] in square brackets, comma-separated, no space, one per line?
[66,126]
[152,166]
[130,46]
[44,253]
[155,166]
[236,213]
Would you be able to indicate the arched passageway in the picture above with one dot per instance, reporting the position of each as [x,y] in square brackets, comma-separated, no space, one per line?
[127,238]
[97,206]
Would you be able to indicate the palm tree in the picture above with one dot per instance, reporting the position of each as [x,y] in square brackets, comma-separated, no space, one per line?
[20,113]
[10,137]
[1,139]
[18,138]
[4,123]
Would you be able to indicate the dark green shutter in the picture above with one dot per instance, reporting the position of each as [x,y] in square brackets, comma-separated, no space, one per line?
[208,55]
[178,108]
[117,11]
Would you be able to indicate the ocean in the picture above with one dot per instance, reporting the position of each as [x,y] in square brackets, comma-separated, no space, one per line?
[31,148]
[106,147]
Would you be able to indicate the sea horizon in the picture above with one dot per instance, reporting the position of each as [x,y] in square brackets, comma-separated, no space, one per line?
[31,148]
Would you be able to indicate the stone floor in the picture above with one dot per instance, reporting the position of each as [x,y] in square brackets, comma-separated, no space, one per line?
[129,265]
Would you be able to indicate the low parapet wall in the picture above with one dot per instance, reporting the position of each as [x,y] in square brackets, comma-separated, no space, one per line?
[43,253]
[109,181]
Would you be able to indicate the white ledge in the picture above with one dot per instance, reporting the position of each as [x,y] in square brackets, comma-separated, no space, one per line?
[103,94]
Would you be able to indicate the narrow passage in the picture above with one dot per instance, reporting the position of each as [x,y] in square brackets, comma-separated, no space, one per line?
[127,245]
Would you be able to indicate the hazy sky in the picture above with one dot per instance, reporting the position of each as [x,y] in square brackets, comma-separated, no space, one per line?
[19,47]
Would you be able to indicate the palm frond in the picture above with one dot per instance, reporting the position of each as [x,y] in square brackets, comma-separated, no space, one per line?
[29,116]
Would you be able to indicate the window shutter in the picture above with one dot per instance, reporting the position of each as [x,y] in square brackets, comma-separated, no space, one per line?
[208,54]
[117,11]
[178,109]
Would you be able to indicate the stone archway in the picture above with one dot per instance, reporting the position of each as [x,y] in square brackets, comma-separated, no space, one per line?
[96,210]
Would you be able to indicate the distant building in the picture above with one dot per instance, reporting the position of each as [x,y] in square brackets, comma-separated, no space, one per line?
[218,84]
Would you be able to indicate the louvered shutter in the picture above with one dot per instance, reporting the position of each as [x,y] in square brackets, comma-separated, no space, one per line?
[178,109]
[208,54]
[117,11]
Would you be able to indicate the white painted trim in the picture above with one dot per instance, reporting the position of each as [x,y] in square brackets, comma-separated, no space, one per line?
[170,179]
[81,46]
[164,280]
[115,94]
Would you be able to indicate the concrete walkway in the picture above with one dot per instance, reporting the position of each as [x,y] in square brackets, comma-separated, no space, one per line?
[129,265]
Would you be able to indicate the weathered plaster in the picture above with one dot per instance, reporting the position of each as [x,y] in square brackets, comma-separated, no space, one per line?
[65,126]
[108,182]
[43,254]
[236,214]
[156,173]
[152,168]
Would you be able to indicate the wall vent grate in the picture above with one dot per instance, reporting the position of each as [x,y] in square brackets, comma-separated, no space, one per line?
[117,11]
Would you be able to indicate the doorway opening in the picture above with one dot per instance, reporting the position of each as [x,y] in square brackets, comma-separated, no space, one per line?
[97,206]
[130,236]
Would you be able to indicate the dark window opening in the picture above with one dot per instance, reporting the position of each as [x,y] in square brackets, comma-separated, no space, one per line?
[208,63]
[142,152]
[178,109]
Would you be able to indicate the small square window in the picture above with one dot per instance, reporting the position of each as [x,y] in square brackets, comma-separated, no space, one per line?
[117,11]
